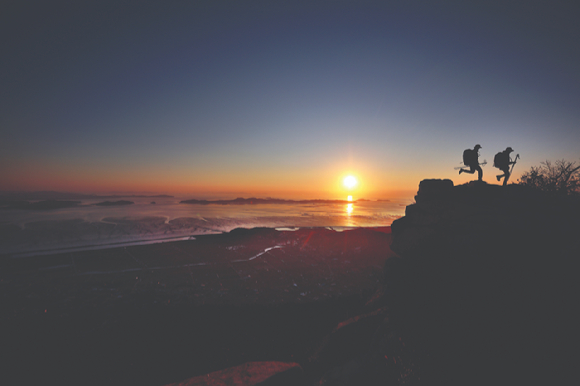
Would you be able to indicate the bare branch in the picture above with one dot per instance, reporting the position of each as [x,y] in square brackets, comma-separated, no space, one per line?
[561,177]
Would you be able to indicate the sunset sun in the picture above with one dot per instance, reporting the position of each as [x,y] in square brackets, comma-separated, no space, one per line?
[349,182]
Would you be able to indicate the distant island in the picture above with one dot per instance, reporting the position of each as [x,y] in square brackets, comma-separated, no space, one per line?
[40,205]
[254,201]
[114,203]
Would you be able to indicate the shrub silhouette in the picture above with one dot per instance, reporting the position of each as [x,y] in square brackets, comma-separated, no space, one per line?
[561,177]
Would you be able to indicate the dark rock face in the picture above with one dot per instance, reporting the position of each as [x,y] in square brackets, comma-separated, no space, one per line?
[487,283]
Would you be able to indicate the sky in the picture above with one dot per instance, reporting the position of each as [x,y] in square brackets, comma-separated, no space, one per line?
[281,98]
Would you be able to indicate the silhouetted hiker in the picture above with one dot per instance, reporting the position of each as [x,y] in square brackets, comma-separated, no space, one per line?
[471,159]
[502,161]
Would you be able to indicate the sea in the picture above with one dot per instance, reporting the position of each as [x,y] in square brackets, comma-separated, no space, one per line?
[148,220]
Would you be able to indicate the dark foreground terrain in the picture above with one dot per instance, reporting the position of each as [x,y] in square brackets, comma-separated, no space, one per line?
[487,284]
[156,314]
[483,290]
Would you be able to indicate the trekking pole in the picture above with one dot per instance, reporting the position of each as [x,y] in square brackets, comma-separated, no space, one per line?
[514,164]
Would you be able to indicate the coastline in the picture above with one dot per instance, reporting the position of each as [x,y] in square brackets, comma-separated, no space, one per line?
[241,253]
[137,240]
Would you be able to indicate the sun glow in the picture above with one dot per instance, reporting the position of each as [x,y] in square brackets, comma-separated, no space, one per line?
[349,182]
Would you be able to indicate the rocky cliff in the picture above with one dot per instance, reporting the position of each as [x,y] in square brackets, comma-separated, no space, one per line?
[486,283]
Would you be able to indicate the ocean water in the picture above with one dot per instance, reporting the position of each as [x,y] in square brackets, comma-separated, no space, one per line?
[28,232]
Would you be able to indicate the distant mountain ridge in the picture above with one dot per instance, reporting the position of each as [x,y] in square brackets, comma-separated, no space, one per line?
[254,201]
[114,203]
[39,205]
[8,198]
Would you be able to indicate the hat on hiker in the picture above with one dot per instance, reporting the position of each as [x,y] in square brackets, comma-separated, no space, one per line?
[509,149]
[478,146]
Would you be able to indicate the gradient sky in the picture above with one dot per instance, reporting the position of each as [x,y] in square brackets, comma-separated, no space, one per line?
[281,98]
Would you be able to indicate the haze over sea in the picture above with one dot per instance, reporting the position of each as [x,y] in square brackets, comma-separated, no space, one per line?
[87,226]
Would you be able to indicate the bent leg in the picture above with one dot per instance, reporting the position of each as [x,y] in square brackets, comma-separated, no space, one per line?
[507,177]
[470,171]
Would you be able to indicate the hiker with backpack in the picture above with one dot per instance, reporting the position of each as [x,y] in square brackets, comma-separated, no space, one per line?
[471,159]
[502,161]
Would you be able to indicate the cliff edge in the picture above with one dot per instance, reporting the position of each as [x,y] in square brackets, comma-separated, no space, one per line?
[486,283]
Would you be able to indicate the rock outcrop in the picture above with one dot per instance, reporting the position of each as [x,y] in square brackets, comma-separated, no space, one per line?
[486,283]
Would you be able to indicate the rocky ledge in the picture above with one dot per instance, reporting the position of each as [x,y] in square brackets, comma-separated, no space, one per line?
[486,283]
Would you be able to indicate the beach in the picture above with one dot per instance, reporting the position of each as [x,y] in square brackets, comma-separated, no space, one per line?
[161,313]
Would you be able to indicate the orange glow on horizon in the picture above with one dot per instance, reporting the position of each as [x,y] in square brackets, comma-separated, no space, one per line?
[324,183]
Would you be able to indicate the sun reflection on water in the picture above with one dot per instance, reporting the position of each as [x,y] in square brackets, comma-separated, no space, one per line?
[349,209]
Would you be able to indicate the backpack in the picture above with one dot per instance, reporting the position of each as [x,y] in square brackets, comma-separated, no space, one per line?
[470,157]
[501,160]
